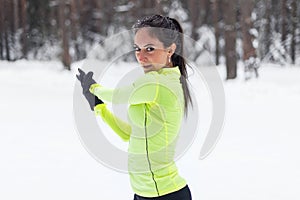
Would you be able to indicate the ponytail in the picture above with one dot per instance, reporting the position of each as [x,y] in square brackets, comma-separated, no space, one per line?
[178,60]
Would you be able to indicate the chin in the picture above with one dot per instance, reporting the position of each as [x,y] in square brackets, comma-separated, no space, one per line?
[148,69]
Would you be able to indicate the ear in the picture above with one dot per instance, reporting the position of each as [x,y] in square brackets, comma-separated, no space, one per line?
[171,49]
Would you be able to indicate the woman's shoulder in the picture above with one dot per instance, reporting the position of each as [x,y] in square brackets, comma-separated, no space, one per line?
[164,75]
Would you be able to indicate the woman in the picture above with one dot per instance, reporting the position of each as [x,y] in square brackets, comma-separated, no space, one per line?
[157,102]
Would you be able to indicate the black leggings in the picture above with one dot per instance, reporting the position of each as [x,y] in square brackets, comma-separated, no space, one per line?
[182,194]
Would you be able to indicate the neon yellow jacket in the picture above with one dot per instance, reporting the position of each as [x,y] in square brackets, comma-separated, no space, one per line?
[156,106]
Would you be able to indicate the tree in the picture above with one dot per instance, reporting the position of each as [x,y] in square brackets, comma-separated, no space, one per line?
[249,52]
[15,4]
[66,58]
[229,10]
[23,19]
[294,28]
[6,28]
[97,15]
[75,27]
[193,8]
[263,11]
[283,20]
[1,30]
[275,17]
[28,28]
[199,12]
[216,19]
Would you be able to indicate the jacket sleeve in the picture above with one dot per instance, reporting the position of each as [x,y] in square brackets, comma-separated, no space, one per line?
[120,127]
[116,96]
[143,90]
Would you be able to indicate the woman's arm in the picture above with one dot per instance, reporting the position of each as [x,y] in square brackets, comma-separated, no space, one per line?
[120,127]
[116,96]
[143,90]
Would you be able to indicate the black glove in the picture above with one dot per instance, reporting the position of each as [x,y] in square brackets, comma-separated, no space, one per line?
[86,81]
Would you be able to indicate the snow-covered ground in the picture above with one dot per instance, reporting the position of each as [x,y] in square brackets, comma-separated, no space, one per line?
[42,156]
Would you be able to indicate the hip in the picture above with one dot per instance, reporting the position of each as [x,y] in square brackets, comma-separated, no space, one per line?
[182,194]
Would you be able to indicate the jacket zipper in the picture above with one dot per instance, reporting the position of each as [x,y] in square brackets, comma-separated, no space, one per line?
[147,151]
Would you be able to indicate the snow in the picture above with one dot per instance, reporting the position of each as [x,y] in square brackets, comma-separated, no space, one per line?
[43,158]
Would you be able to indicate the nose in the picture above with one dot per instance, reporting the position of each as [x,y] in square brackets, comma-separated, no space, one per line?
[141,57]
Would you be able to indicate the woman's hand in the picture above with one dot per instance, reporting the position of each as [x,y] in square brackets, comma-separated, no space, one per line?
[86,81]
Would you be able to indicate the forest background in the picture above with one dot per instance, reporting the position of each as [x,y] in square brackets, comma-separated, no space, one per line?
[232,31]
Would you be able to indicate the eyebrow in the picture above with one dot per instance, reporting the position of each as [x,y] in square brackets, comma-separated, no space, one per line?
[145,45]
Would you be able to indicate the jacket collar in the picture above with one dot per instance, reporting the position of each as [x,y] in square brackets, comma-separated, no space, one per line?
[167,70]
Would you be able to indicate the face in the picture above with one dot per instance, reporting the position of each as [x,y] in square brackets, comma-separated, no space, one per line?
[150,52]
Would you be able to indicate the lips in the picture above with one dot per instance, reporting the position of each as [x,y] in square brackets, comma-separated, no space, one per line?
[147,66]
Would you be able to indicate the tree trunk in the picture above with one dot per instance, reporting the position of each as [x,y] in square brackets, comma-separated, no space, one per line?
[204,12]
[159,7]
[98,17]
[215,13]
[74,27]
[247,25]
[1,29]
[283,21]
[275,9]
[294,28]
[16,14]
[6,29]
[149,7]
[249,52]
[42,13]
[11,22]
[66,59]
[24,27]
[229,9]
[265,32]
[194,17]
[6,43]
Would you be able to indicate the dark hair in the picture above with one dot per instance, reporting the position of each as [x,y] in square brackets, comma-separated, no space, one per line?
[169,31]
